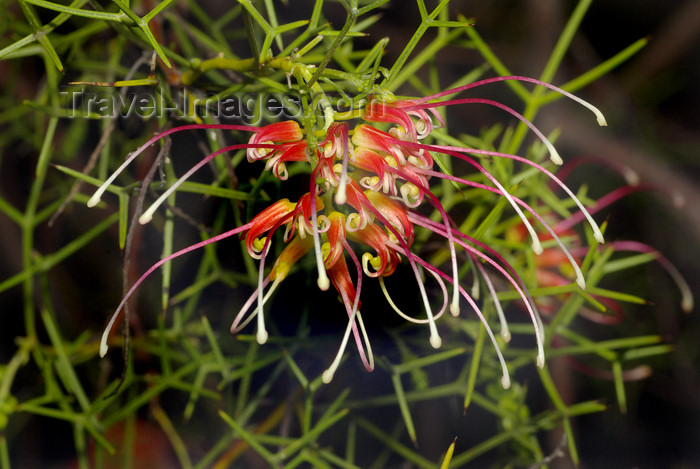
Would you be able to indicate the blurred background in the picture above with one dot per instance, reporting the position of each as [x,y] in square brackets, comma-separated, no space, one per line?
[651,103]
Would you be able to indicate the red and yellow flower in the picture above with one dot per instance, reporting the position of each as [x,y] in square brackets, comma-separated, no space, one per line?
[365,188]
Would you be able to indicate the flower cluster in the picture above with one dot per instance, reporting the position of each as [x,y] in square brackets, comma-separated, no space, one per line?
[359,215]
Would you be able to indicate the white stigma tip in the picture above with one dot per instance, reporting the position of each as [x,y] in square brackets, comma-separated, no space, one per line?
[103,347]
[145,218]
[505,335]
[540,360]
[631,176]
[341,195]
[327,376]
[261,336]
[454,309]
[505,382]
[555,158]
[323,283]
[598,235]
[581,282]
[601,119]
[687,303]
[475,289]
[435,341]
[340,199]
[536,246]
[94,200]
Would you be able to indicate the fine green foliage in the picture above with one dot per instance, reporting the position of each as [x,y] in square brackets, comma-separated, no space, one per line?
[207,398]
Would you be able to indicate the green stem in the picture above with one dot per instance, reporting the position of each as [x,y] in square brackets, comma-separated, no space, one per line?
[250,34]
[412,43]
[474,367]
[534,103]
[28,226]
[349,21]
[4,453]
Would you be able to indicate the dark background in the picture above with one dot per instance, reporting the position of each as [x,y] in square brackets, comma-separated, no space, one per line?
[651,103]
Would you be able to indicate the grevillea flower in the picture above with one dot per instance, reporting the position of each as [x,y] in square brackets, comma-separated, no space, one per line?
[360,214]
